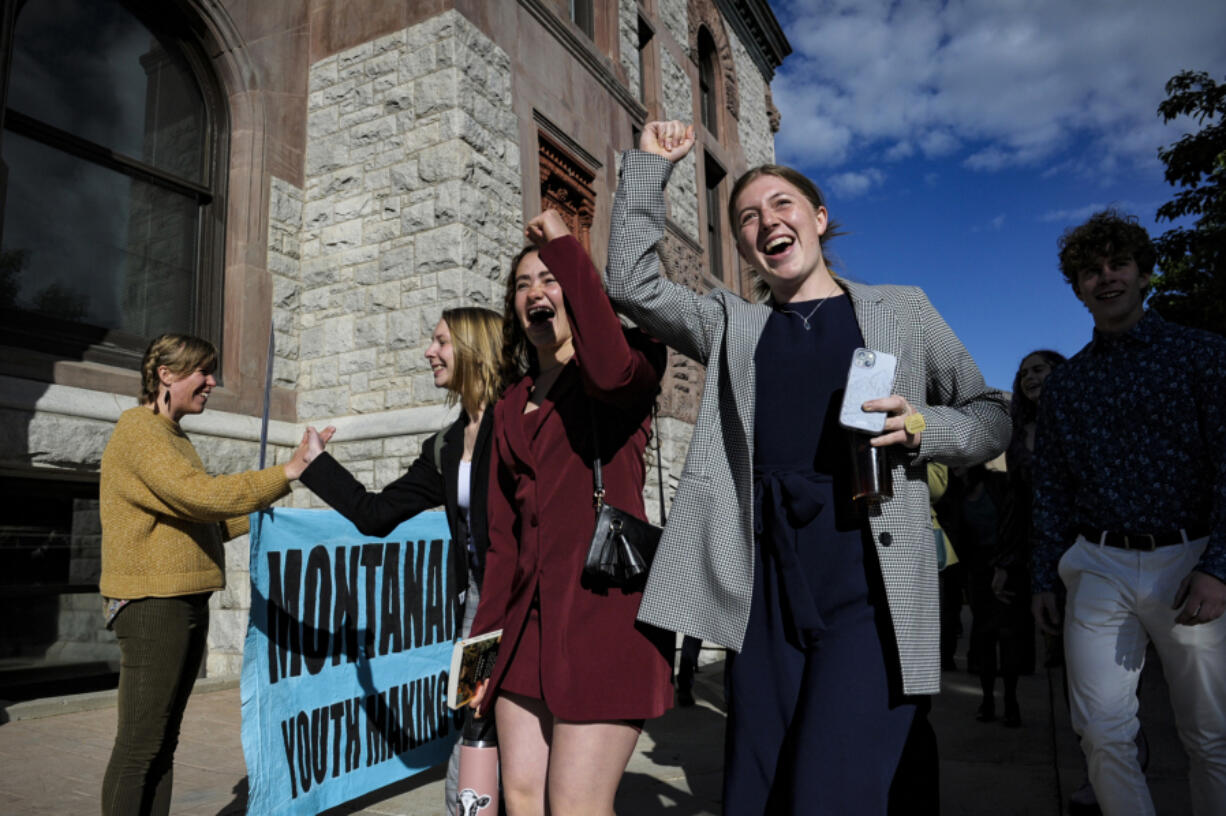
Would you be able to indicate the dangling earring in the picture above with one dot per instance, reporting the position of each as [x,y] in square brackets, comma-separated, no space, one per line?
[166,399]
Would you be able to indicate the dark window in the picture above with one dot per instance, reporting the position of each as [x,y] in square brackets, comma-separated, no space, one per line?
[581,15]
[113,142]
[52,634]
[707,64]
[645,35]
[715,251]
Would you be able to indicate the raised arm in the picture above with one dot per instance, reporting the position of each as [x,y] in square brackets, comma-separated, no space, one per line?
[668,311]
[613,370]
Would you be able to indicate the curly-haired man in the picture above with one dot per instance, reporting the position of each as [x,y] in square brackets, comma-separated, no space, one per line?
[1130,513]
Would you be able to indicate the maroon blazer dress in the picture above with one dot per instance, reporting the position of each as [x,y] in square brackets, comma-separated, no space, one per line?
[575,646]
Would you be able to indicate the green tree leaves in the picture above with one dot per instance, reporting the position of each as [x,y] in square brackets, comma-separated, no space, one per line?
[1192,286]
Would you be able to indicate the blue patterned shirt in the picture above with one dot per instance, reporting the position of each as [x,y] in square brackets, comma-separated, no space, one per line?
[1132,438]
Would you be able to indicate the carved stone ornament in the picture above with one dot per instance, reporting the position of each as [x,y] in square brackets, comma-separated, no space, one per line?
[566,186]
[772,113]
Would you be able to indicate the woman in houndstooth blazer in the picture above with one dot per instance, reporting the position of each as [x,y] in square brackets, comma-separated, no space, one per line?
[832,607]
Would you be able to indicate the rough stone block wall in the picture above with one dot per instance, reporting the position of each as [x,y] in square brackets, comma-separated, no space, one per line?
[80,634]
[29,439]
[411,205]
[676,17]
[628,44]
[753,126]
[683,185]
[284,257]
[682,385]
[674,438]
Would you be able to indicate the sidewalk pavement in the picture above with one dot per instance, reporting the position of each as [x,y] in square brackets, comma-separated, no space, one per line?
[54,753]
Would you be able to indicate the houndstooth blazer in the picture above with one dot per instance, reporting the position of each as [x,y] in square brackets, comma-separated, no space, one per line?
[702,578]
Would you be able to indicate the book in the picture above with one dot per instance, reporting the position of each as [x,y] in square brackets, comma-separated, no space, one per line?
[472,660]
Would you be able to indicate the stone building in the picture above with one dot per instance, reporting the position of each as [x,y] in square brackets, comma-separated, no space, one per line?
[309,184]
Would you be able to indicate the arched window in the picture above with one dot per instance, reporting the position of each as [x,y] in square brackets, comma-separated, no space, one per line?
[708,67]
[113,208]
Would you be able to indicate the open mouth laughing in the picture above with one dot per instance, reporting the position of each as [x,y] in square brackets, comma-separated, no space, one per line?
[540,314]
[778,245]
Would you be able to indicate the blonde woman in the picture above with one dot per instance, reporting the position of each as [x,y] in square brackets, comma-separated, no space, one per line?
[453,469]
[163,523]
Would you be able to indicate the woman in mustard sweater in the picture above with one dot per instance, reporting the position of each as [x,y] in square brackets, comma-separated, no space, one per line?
[163,523]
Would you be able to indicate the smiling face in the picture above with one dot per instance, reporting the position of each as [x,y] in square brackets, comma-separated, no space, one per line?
[189,392]
[540,306]
[440,354]
[779,232]
[1031,374]
[1113,289]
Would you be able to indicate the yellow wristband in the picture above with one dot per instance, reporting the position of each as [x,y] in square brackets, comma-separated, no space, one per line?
[914,423]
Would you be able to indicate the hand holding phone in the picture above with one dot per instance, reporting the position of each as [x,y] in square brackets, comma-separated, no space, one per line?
[870,377]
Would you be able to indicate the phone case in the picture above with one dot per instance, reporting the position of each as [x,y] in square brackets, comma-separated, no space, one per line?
[870,377]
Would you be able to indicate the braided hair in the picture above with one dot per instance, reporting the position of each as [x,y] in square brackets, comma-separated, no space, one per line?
[181,353]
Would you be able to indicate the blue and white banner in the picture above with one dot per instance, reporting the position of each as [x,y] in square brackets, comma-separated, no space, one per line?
[345,666]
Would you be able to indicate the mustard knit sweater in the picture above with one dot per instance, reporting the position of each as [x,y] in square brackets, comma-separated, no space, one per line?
[163,516]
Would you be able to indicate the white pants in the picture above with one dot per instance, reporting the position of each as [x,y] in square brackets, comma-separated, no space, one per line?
[1119,601]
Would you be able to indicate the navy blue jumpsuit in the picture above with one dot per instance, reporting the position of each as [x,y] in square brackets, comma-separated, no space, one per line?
[816,724]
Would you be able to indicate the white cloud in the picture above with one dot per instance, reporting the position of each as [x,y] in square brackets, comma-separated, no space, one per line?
[991,83]
[854,184]
[1072,216]
[900,151]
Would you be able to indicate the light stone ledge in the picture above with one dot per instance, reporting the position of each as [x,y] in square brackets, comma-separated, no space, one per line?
[66,400]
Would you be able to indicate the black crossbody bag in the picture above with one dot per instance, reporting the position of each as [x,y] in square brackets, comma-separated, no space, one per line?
[623,546]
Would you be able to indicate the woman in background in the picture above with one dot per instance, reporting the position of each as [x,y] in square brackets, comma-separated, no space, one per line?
[575,675]
[453,469]
[1014,562]
[164,521]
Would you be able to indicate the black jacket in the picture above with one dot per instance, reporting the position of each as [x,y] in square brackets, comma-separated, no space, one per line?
[427,484]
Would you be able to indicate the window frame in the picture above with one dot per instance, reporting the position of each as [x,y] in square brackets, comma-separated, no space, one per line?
[713,181]
[708,82]
[23,332]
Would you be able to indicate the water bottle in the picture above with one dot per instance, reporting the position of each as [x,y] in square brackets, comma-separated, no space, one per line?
[477,789]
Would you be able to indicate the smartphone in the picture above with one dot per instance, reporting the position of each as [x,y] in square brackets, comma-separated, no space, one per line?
[870,377]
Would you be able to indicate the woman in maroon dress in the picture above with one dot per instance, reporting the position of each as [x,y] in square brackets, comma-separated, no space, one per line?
[576,675]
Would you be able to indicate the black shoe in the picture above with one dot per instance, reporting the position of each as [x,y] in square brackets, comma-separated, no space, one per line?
[948,664]
[685,698]
[1013,717]
[986,712]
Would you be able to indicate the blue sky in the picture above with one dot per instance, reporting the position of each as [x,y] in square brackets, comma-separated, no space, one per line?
[955,141]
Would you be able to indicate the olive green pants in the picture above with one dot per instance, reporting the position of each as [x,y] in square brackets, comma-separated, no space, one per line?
[161,644]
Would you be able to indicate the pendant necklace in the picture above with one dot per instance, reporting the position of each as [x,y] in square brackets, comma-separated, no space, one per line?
[805,318]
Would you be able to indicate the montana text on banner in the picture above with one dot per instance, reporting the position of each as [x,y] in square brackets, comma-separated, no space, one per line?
[346,659]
